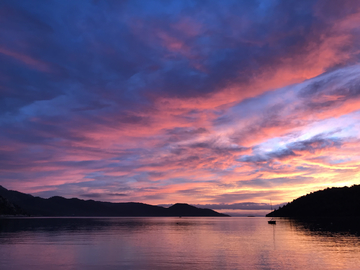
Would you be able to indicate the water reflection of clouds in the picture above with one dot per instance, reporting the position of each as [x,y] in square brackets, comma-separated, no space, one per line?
[171,243]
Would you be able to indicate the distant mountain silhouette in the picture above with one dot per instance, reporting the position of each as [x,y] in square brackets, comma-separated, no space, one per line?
[183,209]
[59,206]
[330,202]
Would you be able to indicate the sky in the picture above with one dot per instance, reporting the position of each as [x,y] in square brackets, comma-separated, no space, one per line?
[223,104]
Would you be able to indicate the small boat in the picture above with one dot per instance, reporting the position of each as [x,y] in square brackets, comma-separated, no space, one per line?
[271,221]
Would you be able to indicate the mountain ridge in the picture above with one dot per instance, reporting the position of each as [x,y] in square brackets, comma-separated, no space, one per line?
[60,206]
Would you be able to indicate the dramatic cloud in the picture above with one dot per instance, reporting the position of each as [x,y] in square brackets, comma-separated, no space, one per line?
[179,101]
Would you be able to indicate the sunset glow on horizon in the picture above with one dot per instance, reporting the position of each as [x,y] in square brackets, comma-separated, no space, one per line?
[221,103]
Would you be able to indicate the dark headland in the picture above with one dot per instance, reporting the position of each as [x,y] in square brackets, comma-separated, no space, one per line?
[330,202]
[17,203]
[330,210]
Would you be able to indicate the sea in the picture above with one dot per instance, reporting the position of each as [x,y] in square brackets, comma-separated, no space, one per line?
[173,243]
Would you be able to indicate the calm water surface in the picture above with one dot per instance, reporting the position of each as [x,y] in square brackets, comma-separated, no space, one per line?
[172,243]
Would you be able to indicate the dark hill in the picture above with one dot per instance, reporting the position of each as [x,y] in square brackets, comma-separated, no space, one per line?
[330,202]
[183,209]
[59,206]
